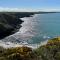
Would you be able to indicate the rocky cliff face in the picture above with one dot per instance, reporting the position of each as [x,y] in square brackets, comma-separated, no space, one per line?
[10,22]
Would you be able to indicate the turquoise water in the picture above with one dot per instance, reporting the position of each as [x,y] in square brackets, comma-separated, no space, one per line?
[47,27]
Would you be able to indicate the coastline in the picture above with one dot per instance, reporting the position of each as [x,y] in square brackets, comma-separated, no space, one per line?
[11,23]
[7,44]
[24,43]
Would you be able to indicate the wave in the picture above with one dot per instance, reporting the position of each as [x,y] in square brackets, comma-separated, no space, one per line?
[10,44]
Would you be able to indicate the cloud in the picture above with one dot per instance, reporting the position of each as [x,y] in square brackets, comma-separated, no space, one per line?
[3,9]
[16,9]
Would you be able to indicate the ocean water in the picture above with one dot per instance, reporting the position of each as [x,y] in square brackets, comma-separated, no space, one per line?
[36,29]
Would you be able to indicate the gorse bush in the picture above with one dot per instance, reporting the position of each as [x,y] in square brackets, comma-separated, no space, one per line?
[17,53]
[50,51]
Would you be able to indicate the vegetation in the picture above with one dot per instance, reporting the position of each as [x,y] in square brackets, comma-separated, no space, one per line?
[50,51]
[17,53]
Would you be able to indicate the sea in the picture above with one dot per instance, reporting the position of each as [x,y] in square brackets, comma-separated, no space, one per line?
[35,31]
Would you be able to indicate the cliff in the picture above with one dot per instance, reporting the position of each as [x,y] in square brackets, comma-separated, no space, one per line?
[10,22]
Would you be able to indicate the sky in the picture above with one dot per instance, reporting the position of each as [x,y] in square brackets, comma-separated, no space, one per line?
[31,5]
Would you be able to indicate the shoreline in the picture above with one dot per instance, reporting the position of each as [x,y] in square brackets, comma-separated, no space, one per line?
[9,44]
[12,45]
[11,23]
